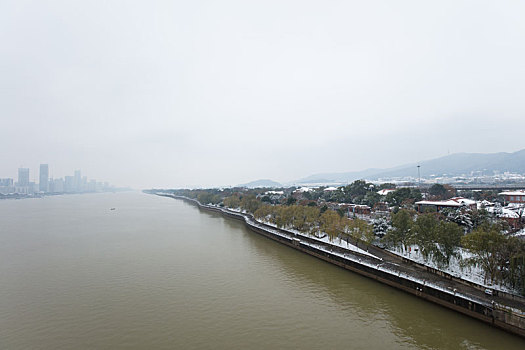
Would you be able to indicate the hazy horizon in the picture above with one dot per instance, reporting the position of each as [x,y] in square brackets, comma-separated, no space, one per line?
[199,94]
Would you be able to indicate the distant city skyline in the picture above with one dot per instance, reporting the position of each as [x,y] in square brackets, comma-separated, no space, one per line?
[34,171]
[75,183]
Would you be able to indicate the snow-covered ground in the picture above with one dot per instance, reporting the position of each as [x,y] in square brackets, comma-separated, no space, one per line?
[471,273]
[520,233]
[325,239]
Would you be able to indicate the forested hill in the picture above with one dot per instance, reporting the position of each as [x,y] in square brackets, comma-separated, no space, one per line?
[454,164]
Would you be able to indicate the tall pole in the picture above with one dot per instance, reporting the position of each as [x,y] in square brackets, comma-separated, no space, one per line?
[419,176]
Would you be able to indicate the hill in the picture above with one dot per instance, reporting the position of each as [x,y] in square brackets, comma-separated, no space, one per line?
[452,165]
[261,183]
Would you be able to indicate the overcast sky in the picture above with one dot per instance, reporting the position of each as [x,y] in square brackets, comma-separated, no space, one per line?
[207,93]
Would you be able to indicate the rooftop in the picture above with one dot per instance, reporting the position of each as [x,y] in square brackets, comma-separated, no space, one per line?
[452,202]
[385,191]
[513,193]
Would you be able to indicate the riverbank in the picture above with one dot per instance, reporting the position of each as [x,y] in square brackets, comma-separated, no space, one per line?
[502,312]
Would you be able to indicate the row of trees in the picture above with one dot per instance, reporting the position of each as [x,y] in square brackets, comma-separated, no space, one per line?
[247,202]
[437,240]
[362,192]
[403,197]
[314,221]
[358,192]
[501,257]
[308,219]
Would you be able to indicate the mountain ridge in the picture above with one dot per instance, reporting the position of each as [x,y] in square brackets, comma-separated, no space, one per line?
[452,165]
[261,183]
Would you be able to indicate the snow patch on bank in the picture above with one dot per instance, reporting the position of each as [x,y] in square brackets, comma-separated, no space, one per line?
[473,274]
[325,239]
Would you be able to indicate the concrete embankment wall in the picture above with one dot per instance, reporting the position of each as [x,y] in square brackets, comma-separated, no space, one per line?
[504,319]
[456,279]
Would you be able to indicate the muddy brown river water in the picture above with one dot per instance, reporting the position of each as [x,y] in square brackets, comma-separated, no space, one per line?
[157,273]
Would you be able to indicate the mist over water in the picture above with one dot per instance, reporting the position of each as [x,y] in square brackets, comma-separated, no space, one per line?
[158,273]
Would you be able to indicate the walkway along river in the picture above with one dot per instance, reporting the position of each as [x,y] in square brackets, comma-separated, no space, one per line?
[503,312]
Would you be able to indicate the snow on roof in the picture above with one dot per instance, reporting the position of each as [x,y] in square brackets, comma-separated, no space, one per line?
[385,191]
[330,189]
[275,192]
[352,205]
[484,204]
[452,202]
[441,203]
[516,205]
[507,213]
[361,206]
[513,193]
[305,189]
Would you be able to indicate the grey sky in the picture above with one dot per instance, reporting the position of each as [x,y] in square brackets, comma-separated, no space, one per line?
[201,93]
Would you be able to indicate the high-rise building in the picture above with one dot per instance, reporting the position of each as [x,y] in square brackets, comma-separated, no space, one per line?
[43,184]
[23,177]
[6,182]
[69,185]
[58,185]
[6,186]
[77,181]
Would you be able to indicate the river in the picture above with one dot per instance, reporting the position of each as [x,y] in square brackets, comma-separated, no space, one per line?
[158,273]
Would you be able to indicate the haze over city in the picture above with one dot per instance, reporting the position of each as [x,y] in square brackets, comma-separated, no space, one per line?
[174,94]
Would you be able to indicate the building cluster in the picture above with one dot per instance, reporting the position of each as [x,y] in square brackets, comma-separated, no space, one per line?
[75,183]
[512,212]
[510,207]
